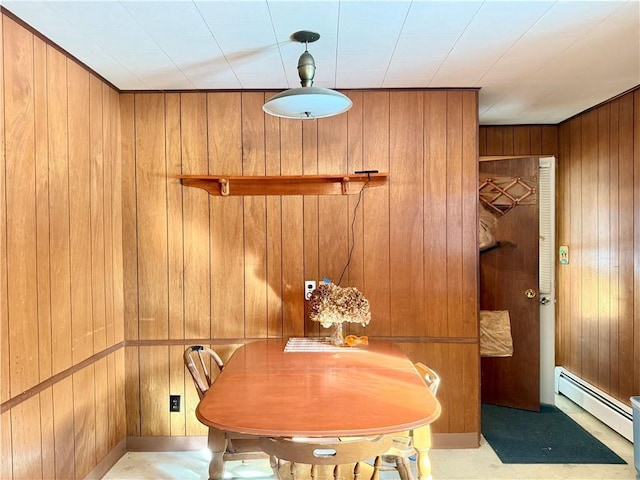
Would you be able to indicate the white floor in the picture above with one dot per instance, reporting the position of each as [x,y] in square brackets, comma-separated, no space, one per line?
[461,464]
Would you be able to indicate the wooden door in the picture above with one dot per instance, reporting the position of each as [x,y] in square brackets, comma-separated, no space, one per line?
[507,272]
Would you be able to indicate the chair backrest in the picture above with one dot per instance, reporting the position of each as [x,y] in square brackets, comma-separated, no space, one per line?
[430,376]
[196,359]
[324,458]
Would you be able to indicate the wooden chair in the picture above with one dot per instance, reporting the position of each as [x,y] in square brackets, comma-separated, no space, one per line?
[199,361]
[326,458]
[401,448]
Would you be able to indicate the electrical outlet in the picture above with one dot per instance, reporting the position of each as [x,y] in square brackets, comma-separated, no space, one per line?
[174,403]
[309,286]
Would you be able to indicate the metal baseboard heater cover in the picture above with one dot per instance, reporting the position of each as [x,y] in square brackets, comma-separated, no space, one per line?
[601,405]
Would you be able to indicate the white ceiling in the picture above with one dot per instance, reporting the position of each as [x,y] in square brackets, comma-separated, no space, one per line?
[534,61]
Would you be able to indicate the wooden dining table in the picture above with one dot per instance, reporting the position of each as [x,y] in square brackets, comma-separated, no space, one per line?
[309,388]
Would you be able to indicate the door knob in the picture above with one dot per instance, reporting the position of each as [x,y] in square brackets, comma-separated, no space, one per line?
[530,293]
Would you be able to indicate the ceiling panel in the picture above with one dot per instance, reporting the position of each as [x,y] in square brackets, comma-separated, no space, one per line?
[533,61]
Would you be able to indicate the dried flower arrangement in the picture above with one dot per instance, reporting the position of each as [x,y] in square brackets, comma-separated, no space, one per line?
[330,304]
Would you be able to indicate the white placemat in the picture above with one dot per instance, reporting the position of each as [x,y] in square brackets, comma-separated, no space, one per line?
[314,344]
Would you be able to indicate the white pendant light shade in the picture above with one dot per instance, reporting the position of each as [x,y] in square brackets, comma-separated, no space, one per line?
[307,102]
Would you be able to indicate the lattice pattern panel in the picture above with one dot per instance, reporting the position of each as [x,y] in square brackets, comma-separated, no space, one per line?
[501,194]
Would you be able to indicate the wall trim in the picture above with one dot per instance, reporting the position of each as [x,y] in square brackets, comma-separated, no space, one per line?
[233,341]
[166,443]
[455,440]
[27,394]
[109,460]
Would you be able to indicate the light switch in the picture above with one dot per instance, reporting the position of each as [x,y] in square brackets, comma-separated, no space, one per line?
[563,254]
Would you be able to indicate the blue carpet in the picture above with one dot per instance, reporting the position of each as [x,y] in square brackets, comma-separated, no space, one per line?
[548,436]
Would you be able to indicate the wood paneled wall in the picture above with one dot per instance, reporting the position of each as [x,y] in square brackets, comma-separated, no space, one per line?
[224,269]
[598,217]
[598,332]
[61,299]
[519,140]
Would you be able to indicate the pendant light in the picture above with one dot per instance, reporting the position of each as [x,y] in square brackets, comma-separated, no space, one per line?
[307,102]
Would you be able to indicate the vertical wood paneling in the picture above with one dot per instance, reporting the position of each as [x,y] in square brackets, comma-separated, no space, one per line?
[129,214]
[563,236]
[42,208]
[627,211]
[596,218]
[97,216]
[274,231]
[311,215]
[116,221]
[614,258]
[132,393]
[356,204]
[119,415]
[177,384]
[63,429]
[175,219]
[5,386]
[406,213]
[47,433]
[195,211]
[603,229]
[58,134]
[293,273]
[255,219]
[80,213]
[354,274]
[48,111]
[152,216]
[21,208]
[468,325]
[636,241]
[101,410]
[84,420]
[6,452]
[454,214]
[154,377]
[435,212]
[6,467]
[25,440]
[589,240]
[110,189]
[227,235]
[375,212]
[333,216]
[574,239]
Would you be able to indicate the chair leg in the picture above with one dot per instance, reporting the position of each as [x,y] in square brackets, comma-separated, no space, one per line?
[422,444]
[404,468]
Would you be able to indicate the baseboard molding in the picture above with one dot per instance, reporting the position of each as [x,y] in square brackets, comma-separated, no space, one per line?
[455,440]
[109,460]
[166,444]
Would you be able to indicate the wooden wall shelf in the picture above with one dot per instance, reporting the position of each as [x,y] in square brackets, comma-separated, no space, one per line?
[225,185]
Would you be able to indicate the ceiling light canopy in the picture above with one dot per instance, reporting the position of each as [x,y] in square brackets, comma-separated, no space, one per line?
[307,102]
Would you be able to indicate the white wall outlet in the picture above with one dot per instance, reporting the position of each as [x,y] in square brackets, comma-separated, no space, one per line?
[309,286]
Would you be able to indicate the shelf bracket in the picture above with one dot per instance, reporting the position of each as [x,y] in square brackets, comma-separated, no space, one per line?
[345,185]
[224,187]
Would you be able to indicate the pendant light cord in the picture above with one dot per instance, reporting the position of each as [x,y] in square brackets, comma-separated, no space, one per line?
[353,222]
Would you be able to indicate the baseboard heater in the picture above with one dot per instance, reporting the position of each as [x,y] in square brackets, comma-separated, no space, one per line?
[601,405]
